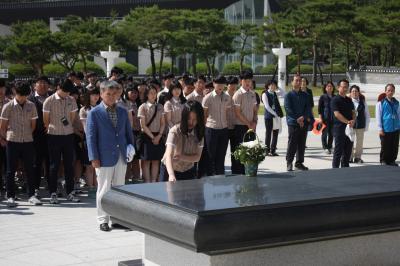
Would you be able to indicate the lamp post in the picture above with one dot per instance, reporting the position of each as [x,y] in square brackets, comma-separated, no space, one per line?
[282,53]
[110,56]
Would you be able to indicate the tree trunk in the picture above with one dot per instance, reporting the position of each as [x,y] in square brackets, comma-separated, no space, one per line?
[213,66]
[84,64]
[152,60]
[173,58]
[385,58]
[242,53]
[321,75]
[298,60]
[208,66]
[347,54]
[194,61]
[161,61]
[314,67]
[331,62]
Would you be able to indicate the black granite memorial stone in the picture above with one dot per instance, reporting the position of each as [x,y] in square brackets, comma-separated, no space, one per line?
[227,214]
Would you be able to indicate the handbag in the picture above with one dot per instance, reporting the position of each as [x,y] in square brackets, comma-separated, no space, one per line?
[142,136]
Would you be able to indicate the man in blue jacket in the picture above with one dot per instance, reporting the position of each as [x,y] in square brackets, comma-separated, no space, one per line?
[108,136]
[297,116]
[388,120]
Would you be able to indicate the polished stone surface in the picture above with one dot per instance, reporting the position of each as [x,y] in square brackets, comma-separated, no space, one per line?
[226,194]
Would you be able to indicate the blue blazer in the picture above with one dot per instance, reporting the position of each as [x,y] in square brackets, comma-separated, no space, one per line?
[105,142]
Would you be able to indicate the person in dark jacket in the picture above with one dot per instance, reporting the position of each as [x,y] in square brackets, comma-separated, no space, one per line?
[298,117]
[310,96]
[272,116]
[326,116]
[41,93]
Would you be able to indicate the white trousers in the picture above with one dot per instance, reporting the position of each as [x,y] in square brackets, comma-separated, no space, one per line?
[107,177]
[358,144]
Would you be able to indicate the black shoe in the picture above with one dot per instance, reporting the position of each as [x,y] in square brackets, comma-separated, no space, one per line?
[358,160]
[274,154]
[301,167]
[289,167]
[392,164]
[104,227]
[118,226]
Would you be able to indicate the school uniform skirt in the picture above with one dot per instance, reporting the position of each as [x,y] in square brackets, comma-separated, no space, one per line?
[151,152]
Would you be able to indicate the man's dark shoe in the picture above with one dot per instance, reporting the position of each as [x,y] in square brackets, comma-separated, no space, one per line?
[358,160]
[118,226]
[392,164]
[289,167]
[274,154]
[301,167]
[104,227]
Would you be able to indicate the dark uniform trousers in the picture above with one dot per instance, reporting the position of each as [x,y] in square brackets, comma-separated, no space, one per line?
[271,136]
[61,146]
[327,135]
[296,144]
[240,131]
[390,147]
[42,157]
[202,167]
[26,152]
[187,175]
[217,143]
[232,141]
[3,166]
[343,148]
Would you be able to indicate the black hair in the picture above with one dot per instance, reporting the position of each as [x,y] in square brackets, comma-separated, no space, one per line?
[343,80]
[201,77]
[146,92]
[2,83]
[22,88]
[80,75]
[71,74]
[325,85]
[86,97]
[65,85]
[267,84]
[193,106]
[175,84]
[355,87]
[389,85]
[132,87]
[305,80]
[116,70]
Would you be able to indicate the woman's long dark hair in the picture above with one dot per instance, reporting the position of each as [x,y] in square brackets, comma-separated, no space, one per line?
[146,92]
[193,106]
[175,85]
[326,84]
[266,87]
[86,98]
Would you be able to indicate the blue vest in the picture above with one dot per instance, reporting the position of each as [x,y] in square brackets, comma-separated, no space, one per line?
[360,120]
[389,116]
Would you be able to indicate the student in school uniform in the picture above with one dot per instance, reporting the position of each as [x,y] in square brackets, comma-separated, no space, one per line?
[217,105]
[245,104]
[198,93]
[167,79]
[232,83]
[174,105]
[3,143]
[18,120]
[188,86]
[184,145]
[152,122]
[59,111]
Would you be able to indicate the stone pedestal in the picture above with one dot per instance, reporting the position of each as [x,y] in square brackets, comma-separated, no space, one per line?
[347,216]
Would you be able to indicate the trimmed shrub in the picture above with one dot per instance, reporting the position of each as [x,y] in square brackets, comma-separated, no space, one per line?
[90,67]
[54,69]
[21,70]
[201,69]
[304,69]
[337,68]
[127,68]
[234,68]
[268,70]
[166,67]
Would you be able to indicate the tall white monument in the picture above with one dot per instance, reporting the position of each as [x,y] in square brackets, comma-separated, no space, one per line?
[282,53]
[110,56]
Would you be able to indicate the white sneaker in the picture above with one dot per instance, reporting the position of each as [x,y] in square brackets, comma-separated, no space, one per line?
[35,201]
[71,197]
[11,203]
[53,198]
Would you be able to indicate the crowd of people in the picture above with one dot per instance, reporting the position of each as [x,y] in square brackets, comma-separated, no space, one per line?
[119,129]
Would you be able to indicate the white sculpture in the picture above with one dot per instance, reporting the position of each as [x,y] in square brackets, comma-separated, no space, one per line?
[282,53]
[110,56]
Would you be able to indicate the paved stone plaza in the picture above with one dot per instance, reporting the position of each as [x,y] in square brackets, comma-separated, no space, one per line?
[68,234]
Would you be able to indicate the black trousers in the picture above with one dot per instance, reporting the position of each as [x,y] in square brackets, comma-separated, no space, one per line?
[202,167]
[42,157]
[327,136]
[61,146]
[237,167]
[343,149]
[187,175]
[296,144]
[26,152]
[232,141]
[390,146]
[270,134]
[217,143]
[3,166]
